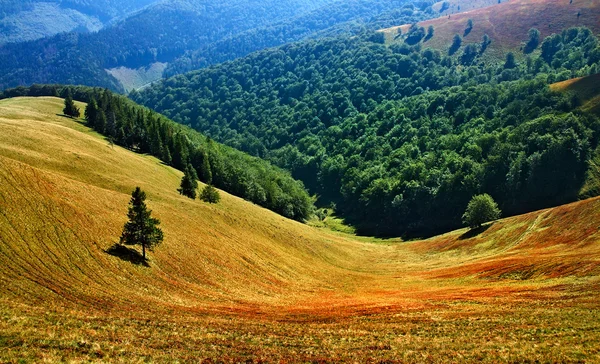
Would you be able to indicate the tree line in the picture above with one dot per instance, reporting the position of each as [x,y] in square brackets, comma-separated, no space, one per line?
[142,130]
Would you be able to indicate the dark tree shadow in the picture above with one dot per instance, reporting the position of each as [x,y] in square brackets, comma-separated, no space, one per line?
[467,32]
[127,254]
[474,232]
[453,49]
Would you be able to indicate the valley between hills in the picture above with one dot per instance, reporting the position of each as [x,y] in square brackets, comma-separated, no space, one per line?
[234,282]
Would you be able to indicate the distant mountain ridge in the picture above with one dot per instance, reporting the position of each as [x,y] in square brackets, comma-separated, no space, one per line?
[156,34]
[26,20]
[180,35]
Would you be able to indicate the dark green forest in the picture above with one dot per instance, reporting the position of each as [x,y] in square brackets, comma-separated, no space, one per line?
[209,31]
[341,17]
[399,138]
[144,131]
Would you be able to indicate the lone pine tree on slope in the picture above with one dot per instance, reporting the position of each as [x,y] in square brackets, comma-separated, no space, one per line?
[141,229]
[189,182]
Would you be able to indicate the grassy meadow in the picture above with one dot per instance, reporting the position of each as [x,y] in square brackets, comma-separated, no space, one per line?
[234,282]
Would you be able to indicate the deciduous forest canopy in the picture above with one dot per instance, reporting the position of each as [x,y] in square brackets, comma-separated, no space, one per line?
[400,138]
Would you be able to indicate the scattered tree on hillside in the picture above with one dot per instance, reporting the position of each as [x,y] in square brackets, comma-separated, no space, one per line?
[533,42]
[469,54]
[141,229]
[70,108]
[456,43]
[481,209]
[398,33]
[510,61]
[415,34]
[430,31]
[189,182]
[210,194]
[485,42]
[469,27]
[445,6]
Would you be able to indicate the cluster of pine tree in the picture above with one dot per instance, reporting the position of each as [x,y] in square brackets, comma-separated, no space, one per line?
[142,130]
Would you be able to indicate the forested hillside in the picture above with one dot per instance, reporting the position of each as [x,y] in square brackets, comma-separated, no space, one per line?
[157,34]
[25,20]
[399,138]
[183,35]
[353,16]
[139,129]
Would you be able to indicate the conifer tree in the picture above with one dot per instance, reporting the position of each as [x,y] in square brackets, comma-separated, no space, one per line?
[141,229]
[189,182]
[205,171]
[70,108]
[210,194]
[100,123]
[91,113]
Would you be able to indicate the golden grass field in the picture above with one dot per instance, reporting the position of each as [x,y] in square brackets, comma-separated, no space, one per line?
[237,283]
[507,24]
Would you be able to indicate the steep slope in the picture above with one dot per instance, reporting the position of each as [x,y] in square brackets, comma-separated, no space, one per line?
[508,23]
[158,33]
[399,137]
[329,20]
[64,205]
[234,282]
[25,20]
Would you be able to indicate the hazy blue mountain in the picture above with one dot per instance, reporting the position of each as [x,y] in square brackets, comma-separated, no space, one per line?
[156,34]
[24,20]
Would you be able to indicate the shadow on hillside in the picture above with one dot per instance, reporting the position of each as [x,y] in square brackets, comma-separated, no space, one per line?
[127,254]
[474,232]
[67,116]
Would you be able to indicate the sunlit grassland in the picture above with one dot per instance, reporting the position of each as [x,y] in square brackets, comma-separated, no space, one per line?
[234,281]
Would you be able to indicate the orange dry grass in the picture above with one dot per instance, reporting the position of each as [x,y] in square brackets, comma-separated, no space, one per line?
[233,281]
[507,23]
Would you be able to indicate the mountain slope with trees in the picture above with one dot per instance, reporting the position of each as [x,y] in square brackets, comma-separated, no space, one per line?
[156,34]
[26,20]
[237,283]
[507,24]
[399,137]
[134,127]
[176,36]
[351,17]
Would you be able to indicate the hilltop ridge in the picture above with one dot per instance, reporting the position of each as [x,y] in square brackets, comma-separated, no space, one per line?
[507,23]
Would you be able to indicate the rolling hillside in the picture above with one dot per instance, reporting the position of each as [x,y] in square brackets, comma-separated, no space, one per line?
[507,24]
[234,282]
